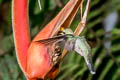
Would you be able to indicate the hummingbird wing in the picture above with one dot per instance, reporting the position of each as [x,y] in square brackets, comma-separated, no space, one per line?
[55,39]
[52,40]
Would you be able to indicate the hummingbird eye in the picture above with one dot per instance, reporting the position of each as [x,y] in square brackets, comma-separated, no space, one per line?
[61,33]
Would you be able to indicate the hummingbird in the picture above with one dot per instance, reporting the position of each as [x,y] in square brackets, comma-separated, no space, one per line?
[70,42]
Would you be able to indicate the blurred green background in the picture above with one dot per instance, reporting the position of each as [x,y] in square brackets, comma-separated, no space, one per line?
[102,29]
